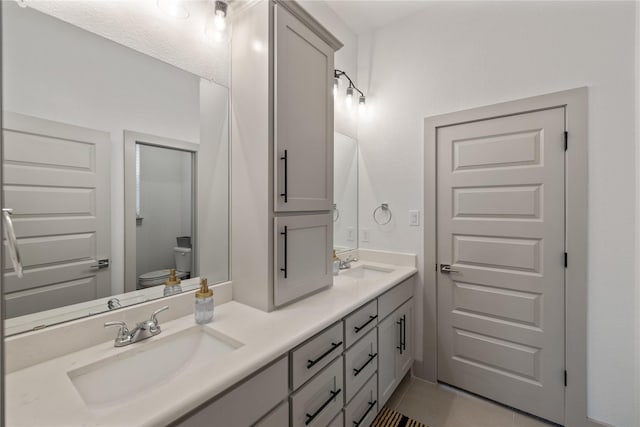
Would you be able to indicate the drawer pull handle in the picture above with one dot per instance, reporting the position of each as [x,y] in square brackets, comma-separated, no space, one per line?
[364,325]
[286,178]
[310,417]
[357,371]
[371,405]
[311,363]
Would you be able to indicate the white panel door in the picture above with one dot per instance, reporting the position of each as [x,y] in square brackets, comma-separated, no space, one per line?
[56,180]
[303,117]
[501,228]
[302,261]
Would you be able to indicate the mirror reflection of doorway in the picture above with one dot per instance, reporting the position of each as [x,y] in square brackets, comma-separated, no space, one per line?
[164,213]
[160,209]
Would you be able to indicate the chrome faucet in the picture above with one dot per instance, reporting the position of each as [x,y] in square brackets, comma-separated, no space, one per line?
[142,330]
[346,263]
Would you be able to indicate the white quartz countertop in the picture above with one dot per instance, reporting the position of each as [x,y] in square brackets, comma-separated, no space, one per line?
[43,394]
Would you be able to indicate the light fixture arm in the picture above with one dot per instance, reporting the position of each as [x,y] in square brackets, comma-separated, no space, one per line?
[339,73]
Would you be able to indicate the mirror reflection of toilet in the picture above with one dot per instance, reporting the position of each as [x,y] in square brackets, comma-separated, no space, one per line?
[182,258]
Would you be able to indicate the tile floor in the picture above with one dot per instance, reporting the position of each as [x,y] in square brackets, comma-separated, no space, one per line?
[437,405]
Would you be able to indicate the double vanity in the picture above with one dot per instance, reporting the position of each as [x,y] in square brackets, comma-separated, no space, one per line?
[290,344]
[335,355]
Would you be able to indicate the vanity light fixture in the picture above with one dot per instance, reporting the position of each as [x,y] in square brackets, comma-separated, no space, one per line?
[350,90]
[174,8]
[349,95]
[216,28]
[220,18]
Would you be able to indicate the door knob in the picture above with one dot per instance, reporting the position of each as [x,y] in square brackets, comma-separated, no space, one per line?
[446,268]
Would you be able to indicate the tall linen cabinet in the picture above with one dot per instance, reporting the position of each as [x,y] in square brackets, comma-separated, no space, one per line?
[281,154]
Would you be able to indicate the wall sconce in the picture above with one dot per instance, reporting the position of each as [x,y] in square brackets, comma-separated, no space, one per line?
[362,100]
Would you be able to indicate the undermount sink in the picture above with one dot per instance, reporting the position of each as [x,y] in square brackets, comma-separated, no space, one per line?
[106,384]
[365,272]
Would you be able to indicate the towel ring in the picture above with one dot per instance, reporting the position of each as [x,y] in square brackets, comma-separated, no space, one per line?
[336,213]
[384,207]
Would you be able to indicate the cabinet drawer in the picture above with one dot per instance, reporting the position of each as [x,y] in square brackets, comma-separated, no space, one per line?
[392,299]
[338,421]
[360,361]
[360,322]
[309,359]
[302,256]
[245,404]
[363,408]
[318,402]
[279,417]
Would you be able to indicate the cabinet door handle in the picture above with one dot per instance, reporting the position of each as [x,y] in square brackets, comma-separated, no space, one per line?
[311,363]
[404,331]
[311,417]
[371,405]
[286,167]
[357,371]
[399,346]
[364,325]
[284,269]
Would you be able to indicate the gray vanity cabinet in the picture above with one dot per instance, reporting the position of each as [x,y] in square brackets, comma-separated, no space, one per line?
[304,117]
[282,153]
[395,347]
[245,403]
[303,262]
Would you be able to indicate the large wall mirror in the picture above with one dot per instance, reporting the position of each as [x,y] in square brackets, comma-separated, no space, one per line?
[115,156]
[345,193]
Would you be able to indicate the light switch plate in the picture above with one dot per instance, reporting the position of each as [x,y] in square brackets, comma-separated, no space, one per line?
[365,234]
[350,234]
[414,218]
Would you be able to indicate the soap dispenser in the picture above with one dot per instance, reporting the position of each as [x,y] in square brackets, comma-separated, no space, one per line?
[172,286]
[204,303]
[336,263]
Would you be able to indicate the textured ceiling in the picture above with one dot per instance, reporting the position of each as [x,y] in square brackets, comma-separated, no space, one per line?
[141,25]
[367,15]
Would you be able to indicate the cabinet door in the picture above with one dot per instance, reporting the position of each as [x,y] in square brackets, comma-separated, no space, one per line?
[395,349]
[405,358]
[302,261]
[388,350]
[303,155]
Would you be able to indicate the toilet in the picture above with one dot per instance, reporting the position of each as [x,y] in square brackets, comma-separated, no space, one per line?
[182,258]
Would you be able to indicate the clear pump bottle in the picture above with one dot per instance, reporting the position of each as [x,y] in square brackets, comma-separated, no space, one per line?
[204,303]
[172,286]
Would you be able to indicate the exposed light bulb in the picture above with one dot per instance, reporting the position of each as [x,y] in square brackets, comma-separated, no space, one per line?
[219,19]
[349,98]
[336,84]
[174,8]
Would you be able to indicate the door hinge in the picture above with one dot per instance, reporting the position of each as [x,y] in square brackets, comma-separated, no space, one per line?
[566,140]
[565,378]
[436,268]
[566,260]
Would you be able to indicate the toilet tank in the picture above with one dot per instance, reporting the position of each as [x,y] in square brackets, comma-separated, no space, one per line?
[183,258]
